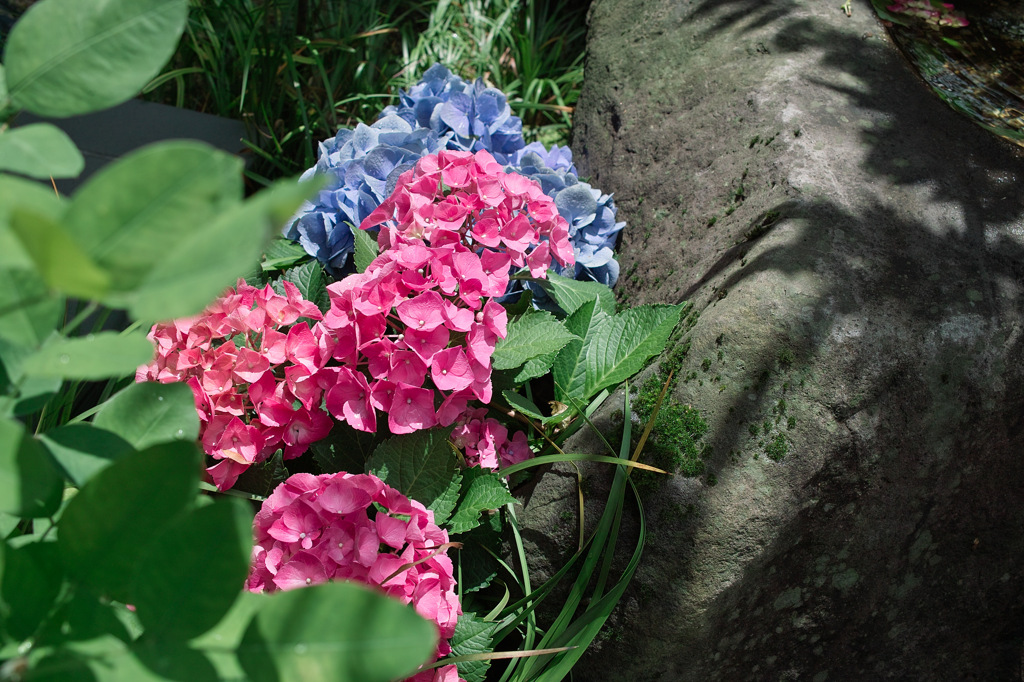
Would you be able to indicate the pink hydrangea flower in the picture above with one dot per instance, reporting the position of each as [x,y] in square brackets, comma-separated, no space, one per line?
[486,441]
[253,370]
[355,527]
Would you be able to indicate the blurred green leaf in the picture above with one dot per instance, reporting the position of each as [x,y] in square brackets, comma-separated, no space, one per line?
[28,311]
[30,485]
[422,466]
[68,57]
[533,335]
[482,490]
[135,213]
[25,194]
[149,413]
[342,632]
[194,570]
[366,248]
[108,523]
[97,356]
[60,261]
[28,394]
[83,450]
[31,582]
[40,150]
[194,271]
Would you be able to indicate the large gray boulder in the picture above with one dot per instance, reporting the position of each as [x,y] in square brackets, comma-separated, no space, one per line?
[856,249]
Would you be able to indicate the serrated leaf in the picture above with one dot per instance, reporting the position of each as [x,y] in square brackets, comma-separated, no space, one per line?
[310,280]
[345,449]
[530,336]
[569,367]
[482,490]
[68,57]
[570,294]
[422,466]
[40,150]
[149,413]
[97,356]
[522,404]
[366,248]
[536,367]
[281,253]
[473,635]
[621,345]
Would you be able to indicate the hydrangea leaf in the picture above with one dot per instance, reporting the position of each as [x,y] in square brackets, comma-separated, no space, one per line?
[621,345]
[535,367]
[31,582]
[530,336]
[30,485]
[40,150]
[57,258]
[569,369]
[282,253]
[482,490]
[83,450]
[149,413]
[108,523]
[342,632]
[473,635]
[130,214]
[190,578]
[198,268]
[570,294]
[310,280]
[32,312]
[97,356]
[366,248]
[422,466]
[345,449]
[108,52]
[522,404]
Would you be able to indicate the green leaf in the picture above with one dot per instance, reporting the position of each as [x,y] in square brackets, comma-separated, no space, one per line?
[281,253]
[192,574]
[366,248]
[40,150]
[110,659]
[68,57]
[569,368]
[31,582]
[82,450]
[481,490]
[530,336]
[341,632]
[570,294]
[202,265]
[30,311]
[30,485]
[30,393]
[422,466]
[310,280]
[134,214]
[60,261]
[149,413]
[472,636]
[25,194]
[345,449]
[97,356]
[107,524]
[523,405]
[621,345]
[536,367]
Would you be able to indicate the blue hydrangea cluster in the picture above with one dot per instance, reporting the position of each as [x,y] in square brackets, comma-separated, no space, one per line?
[443,111]
[478,117]
[361,167]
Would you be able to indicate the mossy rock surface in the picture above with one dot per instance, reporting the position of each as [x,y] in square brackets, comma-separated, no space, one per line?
[856,253]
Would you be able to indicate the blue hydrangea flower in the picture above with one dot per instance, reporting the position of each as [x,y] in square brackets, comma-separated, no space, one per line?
[361,167]
[476,116]
[556,159]
[593,229]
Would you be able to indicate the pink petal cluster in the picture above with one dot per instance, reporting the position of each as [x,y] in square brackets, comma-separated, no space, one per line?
[486,443]
[355,527]
[942,14]
[468,197]
[254,370]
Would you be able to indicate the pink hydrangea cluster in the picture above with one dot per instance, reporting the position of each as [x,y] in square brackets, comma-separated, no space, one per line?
[486,443]
[942,14]
[355,527]
[463,197]
[253,369]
